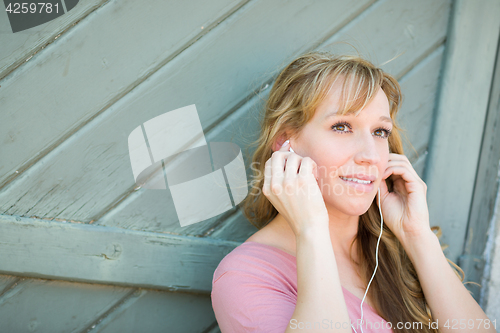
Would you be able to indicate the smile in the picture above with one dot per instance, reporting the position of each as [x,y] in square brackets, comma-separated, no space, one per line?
[356,180]
[359,184]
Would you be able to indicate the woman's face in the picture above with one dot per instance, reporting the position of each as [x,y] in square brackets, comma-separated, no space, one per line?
[348,146]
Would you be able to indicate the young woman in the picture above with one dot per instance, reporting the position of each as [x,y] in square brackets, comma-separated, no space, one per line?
[339,208]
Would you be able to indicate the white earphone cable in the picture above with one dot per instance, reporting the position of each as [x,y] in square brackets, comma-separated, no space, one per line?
[376,260]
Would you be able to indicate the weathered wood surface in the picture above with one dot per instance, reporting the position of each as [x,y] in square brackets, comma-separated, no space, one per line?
[461,113]
[157,311]
[17,48]
[88,253]
[472,259]
[90,173]
[416,29]
[90,67]
[38,305]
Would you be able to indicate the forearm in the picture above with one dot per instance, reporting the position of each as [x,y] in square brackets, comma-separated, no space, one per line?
[320,300]
[450,302]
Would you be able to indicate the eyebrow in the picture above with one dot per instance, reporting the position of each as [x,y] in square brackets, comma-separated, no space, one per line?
[383,118]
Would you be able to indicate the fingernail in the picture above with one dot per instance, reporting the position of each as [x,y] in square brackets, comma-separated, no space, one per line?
[291,150]
[284,143]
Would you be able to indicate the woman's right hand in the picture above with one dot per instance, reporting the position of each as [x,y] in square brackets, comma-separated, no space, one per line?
[290,184]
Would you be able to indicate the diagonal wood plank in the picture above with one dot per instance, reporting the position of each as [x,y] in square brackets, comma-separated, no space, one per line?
[38,305]
[155,311]
[416,29]
[154,210]
[90,67]
[420,89]
[91,172]
[88,253]
[19,47]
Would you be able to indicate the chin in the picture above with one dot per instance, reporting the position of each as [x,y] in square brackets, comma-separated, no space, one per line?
[350,205]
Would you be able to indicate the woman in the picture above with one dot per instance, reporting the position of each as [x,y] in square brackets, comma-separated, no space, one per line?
[321,238]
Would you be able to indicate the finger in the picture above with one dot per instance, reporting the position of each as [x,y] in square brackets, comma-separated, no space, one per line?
[403,164]
[412,183]
[292,165]
[400,158]
[384,191]
[308,167]
[266,187]
[277,169]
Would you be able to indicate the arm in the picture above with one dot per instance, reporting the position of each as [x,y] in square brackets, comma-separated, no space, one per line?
[319,294]
[449,300]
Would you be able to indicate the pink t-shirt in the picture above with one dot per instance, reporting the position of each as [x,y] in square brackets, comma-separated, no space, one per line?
[254,289]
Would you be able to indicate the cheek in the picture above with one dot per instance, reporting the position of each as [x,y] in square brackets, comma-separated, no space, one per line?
[329,164]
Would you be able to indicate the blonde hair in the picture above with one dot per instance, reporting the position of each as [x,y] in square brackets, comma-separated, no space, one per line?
[301,86]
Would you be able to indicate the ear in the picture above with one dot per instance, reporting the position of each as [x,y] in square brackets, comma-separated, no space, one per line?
[279,142]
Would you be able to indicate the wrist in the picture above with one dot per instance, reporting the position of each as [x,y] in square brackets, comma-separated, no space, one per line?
[417,246]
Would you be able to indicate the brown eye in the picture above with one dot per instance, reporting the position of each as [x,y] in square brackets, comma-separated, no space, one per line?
[341,127]
[386,132]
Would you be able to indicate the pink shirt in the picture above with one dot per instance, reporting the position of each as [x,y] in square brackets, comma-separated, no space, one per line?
[254,289]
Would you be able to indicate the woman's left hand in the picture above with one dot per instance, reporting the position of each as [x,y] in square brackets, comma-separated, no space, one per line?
[405,209]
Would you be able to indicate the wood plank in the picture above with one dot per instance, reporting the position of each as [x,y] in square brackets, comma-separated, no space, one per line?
[416,29]
[237,228]
[7,282]
[36,305]
[154,210]
[90,67]
[420,87]
[456,142]
[19,47]
[91,171]
[88,253]
[154,311]
[75,185]
[143,209]
[472,260]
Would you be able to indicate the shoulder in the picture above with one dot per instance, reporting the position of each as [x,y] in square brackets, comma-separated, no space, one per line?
[256,260]
[254,289]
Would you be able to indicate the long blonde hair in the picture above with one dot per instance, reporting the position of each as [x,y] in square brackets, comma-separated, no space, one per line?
[301,86]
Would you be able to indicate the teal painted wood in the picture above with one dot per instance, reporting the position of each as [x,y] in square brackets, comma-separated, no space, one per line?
[19,47]
[38,305]
[459,124]
[91,67]
[154,210]
[88,253]
[158,311]
[473,258]
[91,172]
[416,29]
[236,228]
[419,89]
[7,282]
[93,175]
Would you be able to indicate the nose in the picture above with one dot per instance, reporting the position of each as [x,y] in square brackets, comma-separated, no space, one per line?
[367,152]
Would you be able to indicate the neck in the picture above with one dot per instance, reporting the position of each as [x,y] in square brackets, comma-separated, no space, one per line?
[343,229]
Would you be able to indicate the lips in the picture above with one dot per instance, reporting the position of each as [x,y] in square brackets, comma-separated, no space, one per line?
[360,176]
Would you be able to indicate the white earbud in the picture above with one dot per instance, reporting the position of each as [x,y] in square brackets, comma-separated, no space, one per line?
[376,260]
